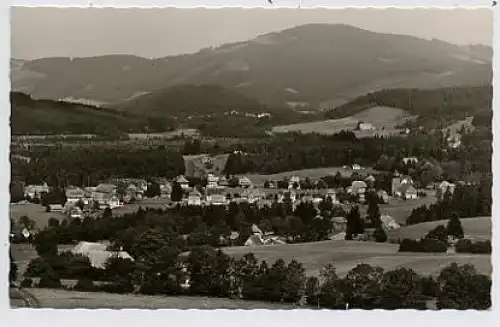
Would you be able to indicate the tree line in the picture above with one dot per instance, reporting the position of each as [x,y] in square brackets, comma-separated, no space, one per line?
[465,201]
[78,166]
[164,270]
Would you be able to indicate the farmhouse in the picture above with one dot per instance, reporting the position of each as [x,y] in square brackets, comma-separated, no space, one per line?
[73,211]
[294,182]
[365,126]
[244,182]
[356,167]
[454,141]
[382,195]
[408,192]
[358,188]
[252,195]
[443,187]
[183,182]
[106,188]
[212,181]
[107,200]
[330,193]
[194,198]
[398,182]
[370,180]
[409,160]
[388,222]
[75,194]
[36,191]
[98,253]
[223,181]
[55,208]
[133,192]
[339,224]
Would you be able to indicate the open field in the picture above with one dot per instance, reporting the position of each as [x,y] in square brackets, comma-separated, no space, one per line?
[384,119]
[345,255]
[313,173]
[474,228]
[61,299]
[400,209]
[35,212]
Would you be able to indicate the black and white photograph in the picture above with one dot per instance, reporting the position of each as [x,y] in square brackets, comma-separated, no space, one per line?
[268,158]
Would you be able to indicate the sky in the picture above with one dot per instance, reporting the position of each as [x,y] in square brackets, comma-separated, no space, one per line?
[159,32]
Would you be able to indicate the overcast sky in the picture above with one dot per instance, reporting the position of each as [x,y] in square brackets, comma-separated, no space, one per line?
[73,32]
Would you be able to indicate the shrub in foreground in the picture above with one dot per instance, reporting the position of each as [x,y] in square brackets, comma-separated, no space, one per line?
[424,245]
[467,246]
[49,280]
[85,285]
[27,282]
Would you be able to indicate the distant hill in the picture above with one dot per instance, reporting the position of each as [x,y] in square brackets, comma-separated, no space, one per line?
[192,100]
[310,66]
[32,116]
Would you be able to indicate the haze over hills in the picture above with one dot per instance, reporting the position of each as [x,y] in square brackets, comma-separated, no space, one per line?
[312,66]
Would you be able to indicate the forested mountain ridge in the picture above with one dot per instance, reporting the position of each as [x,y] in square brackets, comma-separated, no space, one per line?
[310,66]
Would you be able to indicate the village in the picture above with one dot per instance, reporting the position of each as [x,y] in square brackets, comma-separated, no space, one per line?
[121,195]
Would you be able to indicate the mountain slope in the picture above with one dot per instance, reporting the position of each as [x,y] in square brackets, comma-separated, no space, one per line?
[316,65]
[433,107]
[31,116]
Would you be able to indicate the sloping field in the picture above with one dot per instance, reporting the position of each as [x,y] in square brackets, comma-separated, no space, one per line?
[314,173]
[384,119]
[345,255]
[61,299]
[474,228]
[316,255]
[423,264]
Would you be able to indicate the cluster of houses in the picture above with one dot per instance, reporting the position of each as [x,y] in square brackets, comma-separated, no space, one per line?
[220,190]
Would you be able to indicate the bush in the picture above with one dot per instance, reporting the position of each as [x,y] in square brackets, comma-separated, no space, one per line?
[121,287]
[439,233]
[424,245]
[69,265]
[431,245]
[37,267]
[85,285]
[27,282]
[408,245]
[467,246]
[380,235]
[49,280]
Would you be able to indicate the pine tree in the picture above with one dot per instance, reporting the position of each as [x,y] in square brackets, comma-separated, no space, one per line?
[455,226]
[176,194]
[380,235]
[354,223]
[373,212]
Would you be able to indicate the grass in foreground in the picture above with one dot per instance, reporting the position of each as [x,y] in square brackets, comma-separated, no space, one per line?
[62,299]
